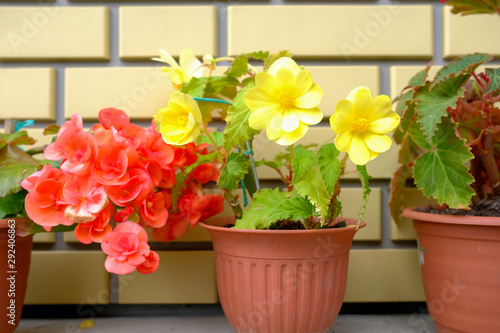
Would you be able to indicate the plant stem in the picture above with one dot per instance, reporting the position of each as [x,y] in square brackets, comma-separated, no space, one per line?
[235,205]
[489,161]
[478,80]
[220,156]
[496,99]
[290,160]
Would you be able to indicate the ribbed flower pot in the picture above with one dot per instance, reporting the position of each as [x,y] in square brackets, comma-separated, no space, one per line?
[281,281]
[15,257]
[460,265]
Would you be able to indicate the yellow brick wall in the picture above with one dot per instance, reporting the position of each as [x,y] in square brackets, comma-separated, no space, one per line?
[65,56]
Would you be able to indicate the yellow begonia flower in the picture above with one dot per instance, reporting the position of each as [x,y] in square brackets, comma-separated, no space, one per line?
[179,122]
[361,123]
[189,66]
[284,102]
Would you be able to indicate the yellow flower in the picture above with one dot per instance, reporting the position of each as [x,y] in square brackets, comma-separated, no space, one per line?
[361,123]
[284,102]
[189,66]
[179,122]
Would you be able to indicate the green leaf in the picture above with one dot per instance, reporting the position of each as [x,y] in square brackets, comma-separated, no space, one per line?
[441,173]
[463,65]
[432,102]
[238,68]
[195,87]
[217,136]
[237,130]
[51,129]
[262,205]
[329,165]
[494,76]
[293,209]
[235,169]
[312,186]
[12,175]
[36,228]
[12,204]
[469,7]
[259,55]
[302,162]
[276,165]
[365,178]
[419,78]
[219,83]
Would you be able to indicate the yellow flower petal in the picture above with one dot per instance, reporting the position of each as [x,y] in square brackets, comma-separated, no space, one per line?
[310,99]
[166,58]
[355,90]
[284,62]
[343,140]
[358,151]
[290,121]
[255,98]
[190,64]
[302,83]
[289,138]
[376,142]
[260,118]
[284,78]
[309,116]
[381,105]
[267,84]
[344,106]
[341,122]
[383,125]
[362,103]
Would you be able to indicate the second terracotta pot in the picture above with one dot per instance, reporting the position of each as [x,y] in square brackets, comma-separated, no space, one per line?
[460,265]
[15,257]
[281,281]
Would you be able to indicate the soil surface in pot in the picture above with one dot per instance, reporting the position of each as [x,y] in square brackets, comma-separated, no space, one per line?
[489,208]
[294,225]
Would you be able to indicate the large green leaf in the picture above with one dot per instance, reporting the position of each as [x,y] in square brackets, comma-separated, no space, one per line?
[463,65]
[494,76]
[432,102]
[195,87]
[235,169]
[238,68]
[237,130]
[12,204]
[469,7]
[329,165]
[303,160]
[293,209]
[262,205]
[12,175]
[259,55]
[440,172]
[312,186]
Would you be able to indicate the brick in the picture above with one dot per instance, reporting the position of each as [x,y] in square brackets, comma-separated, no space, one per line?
[182,278]
[387,275]
[401,75]
[381,167]
[468,34]
[139,91]
[144,30]
[44,238]
[329,31]
[352,199]
[28,93]
[67,277]
[54,33]
[338,81]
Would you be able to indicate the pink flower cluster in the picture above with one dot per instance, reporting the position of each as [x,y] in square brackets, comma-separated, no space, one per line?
[119,174]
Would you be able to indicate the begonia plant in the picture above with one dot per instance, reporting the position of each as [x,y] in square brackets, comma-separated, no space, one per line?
[449,135]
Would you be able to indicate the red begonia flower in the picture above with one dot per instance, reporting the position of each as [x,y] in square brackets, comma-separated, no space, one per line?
[55,151]
[111,117]
[95,230]
[153,210]
[175,228]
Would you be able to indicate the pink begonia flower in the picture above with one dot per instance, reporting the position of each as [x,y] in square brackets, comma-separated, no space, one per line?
[45,202]
[136,189]
[151,263]
[55,151]
[111,117]
[95,230]
[199,208]
[127,249]
[175,227]
[80,153]
[153,210]
[124,214]
[110,167]
[85,199]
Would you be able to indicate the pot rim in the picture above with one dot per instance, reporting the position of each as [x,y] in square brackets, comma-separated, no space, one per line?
[411,213]
[4,223]
[350,221]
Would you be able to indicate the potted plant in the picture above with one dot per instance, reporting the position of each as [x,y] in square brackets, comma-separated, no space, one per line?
[282,262]
[450,146]
[16,234]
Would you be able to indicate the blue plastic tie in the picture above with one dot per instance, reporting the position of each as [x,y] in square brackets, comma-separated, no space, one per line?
[245,199]
[211,100]
[21,124]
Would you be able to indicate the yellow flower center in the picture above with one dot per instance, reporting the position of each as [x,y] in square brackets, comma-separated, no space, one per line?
[286,100]
[182,120]
[361,125]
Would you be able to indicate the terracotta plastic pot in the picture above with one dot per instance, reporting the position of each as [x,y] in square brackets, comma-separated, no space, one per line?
[281,281]
[460,264]
[15,257]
